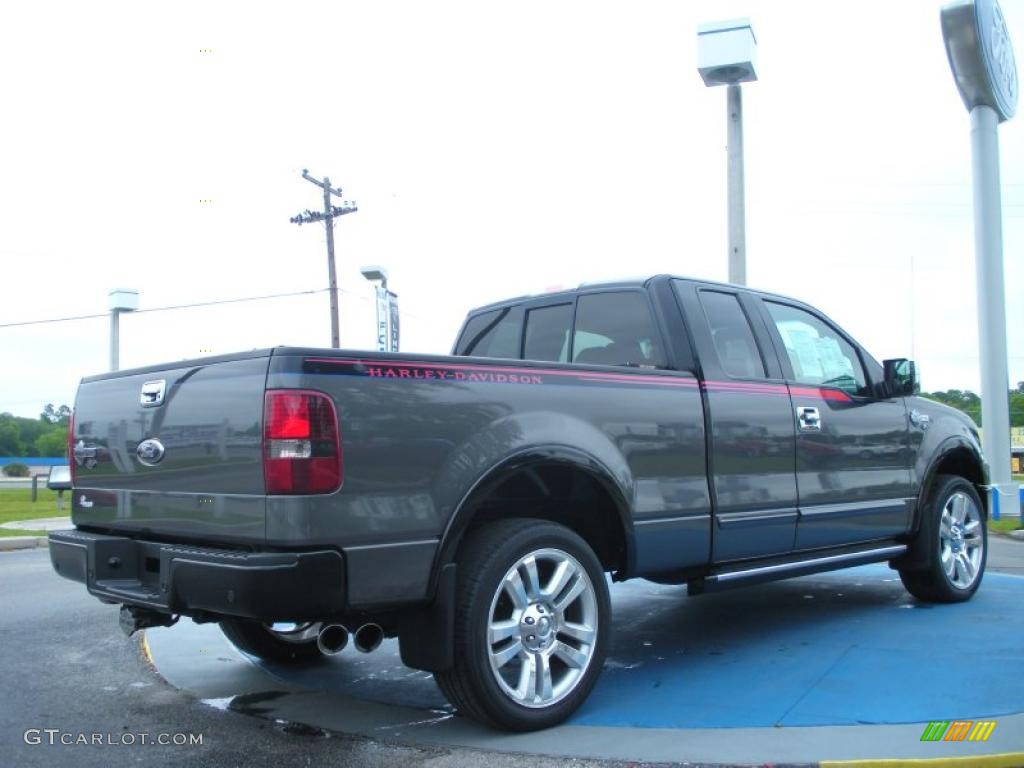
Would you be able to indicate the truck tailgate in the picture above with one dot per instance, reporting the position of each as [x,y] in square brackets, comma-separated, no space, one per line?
[188,466]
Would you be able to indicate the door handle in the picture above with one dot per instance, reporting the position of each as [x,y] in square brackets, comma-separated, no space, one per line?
[808,418]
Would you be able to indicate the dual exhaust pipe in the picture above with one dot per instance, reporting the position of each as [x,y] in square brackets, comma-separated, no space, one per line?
[333,638]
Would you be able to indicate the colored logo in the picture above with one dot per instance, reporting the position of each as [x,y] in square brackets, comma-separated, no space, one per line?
[958,730]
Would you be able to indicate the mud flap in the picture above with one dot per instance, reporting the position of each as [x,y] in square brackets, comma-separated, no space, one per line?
[425,632]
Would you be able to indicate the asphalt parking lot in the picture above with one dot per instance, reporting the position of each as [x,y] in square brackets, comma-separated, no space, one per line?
[68,667]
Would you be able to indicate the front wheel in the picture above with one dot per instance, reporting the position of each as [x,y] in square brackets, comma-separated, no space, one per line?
[531,626]
[953,527]
[282,643]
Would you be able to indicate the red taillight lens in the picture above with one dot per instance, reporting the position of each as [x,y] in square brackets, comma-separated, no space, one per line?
[71,447]
[301,449]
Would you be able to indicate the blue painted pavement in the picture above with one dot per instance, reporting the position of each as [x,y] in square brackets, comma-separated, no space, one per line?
[848,647]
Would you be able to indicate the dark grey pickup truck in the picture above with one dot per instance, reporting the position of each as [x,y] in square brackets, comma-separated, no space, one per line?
[676,430]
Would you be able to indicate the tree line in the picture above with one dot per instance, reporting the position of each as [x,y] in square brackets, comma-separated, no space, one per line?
[968,402]
[46,436]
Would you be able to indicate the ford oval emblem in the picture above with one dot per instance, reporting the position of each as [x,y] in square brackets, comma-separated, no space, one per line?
[150,452]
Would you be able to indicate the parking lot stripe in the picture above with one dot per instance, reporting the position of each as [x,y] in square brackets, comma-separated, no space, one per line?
[1004,760]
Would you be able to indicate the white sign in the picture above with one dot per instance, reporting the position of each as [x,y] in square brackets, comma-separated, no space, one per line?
[382,320]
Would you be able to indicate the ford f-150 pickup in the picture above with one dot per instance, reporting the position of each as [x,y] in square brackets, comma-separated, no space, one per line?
[471,505]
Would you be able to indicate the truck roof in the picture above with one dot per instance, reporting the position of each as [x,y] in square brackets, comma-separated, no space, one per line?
[628,282]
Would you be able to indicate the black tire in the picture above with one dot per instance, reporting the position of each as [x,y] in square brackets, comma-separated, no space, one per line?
[934,584]
[487,555]
[258,640]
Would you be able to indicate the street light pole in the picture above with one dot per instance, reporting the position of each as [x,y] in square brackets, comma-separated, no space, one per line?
[115,339]
[119,300]
[737,204]
[379,277]
[726,55]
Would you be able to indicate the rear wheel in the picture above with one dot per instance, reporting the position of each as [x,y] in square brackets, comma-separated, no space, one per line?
[953,528]
[531,625]
[281,642]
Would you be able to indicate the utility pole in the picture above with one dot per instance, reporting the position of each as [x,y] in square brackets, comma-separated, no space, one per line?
[330,213]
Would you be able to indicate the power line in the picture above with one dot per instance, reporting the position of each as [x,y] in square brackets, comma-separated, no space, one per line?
[194,304]
[164,309]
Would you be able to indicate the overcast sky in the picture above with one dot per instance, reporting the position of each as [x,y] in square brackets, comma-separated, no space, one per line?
[494,150]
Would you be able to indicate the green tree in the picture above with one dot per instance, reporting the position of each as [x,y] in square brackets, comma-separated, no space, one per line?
[1017,406]
[30,430]
[962,400]
[970,403]
[10,436]
[53,443]
[51,415]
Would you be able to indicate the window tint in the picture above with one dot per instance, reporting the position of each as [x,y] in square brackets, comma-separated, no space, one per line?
[817,352]
[732,336]
[547,333]
[492,334]
[615,329]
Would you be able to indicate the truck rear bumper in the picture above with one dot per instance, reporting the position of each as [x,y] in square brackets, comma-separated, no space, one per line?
[182,579]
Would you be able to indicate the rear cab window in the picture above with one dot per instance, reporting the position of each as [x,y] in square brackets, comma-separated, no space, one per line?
[492,334]
[547,333]
[616,328]
[613,327]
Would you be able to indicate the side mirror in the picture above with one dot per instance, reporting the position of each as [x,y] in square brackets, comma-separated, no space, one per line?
[900,378]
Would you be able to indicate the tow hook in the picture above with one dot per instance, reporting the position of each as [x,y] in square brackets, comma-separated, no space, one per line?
[132,619]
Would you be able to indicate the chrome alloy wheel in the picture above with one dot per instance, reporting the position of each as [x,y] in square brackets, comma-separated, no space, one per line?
[294,633]
[542,628]
[961,540]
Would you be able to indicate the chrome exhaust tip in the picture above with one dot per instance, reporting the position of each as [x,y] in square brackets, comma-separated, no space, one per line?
[332,639]
[368,637]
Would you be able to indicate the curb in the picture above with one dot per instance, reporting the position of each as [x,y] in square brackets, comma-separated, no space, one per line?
[1005,760]
[12,543]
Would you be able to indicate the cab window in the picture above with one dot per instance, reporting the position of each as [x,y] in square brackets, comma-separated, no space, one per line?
[732,336]
[492,334]
[547,333]
[616,328]
[818,353]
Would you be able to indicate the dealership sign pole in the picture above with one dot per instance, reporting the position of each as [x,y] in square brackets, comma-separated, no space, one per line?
[981,57]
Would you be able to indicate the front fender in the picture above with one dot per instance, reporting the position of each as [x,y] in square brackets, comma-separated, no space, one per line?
[929,460]
[944,431]
[920,553]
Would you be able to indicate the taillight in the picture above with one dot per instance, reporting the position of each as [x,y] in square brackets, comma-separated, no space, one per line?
[301,449]
[71,446]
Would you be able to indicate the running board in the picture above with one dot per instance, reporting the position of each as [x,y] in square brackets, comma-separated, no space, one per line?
[756,574]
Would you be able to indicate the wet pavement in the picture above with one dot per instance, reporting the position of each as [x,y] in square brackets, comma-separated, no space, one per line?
[67,666]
